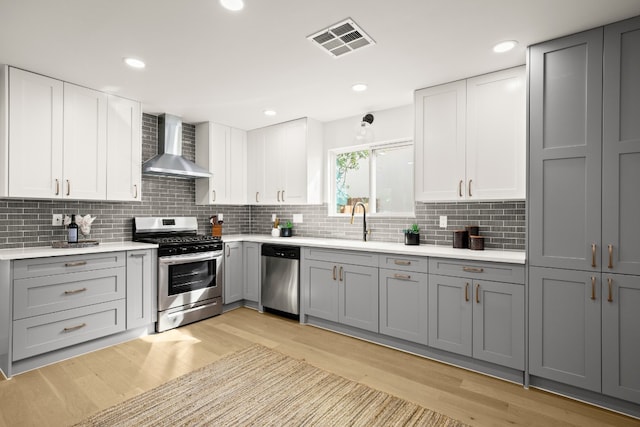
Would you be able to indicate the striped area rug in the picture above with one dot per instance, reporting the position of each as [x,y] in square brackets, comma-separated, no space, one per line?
[259,386]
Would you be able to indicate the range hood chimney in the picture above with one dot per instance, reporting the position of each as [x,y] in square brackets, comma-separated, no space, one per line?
[169,161]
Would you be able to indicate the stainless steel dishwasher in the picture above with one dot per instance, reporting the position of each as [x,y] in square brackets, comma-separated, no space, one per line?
[281,278]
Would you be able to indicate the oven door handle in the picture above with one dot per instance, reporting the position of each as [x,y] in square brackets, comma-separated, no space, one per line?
[185,259]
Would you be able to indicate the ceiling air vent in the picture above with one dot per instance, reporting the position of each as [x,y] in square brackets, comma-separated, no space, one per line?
[341,38]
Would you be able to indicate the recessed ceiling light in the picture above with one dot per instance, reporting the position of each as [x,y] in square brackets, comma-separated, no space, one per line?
[269,113]
[359,87]
[234,5]
[505,46]
[134,63]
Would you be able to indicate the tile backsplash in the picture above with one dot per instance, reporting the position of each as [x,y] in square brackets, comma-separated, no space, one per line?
[25,223]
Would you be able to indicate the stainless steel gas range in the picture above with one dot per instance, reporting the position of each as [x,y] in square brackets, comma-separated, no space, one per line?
[190,269]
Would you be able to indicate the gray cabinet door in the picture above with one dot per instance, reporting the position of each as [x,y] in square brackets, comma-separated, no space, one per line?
[621,337]
[450,314]
[564,326]
[565,116]
[233,272]
[321,280]
[358,300]
[498,323]
[403,305]
[251,263]
[621,148]
[141,284]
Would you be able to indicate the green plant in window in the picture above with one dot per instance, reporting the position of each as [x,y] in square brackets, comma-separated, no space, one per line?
[344,163]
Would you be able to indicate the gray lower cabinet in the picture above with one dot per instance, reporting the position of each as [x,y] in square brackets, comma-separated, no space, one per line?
[403,305]
[475,317]
[565,326]
[233,272]
[621,336]
[251,278]
[141,288]
[342,293]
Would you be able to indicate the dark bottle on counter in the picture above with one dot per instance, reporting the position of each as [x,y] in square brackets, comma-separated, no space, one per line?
[72,231]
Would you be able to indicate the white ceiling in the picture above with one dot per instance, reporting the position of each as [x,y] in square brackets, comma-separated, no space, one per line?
[206,63]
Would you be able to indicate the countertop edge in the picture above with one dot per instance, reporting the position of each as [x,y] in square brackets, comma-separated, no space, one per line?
[48,251]
[488,255]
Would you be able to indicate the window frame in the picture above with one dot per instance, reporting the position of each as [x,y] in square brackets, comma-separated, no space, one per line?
[371,147]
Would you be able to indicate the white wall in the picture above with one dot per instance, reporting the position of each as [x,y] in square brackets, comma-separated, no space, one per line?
[388,125]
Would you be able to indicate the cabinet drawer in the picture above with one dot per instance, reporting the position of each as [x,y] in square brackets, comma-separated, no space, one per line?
[498,272]
[342,257]
[36,267]
[41,334]
[405,263]
[48,294]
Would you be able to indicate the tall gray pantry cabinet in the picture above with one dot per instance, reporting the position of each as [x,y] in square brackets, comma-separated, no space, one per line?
[584,205]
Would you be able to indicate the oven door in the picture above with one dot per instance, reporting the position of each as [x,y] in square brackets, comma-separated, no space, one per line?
[189,279]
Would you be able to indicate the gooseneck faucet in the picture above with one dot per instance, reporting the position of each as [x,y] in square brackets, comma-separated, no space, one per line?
[364,219]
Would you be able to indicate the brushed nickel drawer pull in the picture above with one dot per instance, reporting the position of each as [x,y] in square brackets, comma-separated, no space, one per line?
[75,263]
[460,188]
[57,186]
[478,294]
[75,328]
[610,247]
[593,255]
[334,272]
[610,283]
[68,188]
[257,201]
[213,195]
[470,181]
[75,291]
[278,196]
[135,194]
[593,287]
[402,276]
[466,292]
[401,262]
[341,274]
[473,269]
[282,196]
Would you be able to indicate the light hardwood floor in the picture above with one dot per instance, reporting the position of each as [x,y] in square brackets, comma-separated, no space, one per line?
[66,392]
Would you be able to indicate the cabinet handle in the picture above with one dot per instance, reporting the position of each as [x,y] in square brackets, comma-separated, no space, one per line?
[593,255]
[478,294]
[610,284]
[68,187]
[401,262]
[257,201]
[460,188]
[470,181]
[334,272]
[75,263]
[466,292]
[141,255]
[610,247]
[402,276]
[213,195]
[282,196]
[75,328]
[57,187]
[75,291]
[593,288]
[278,196]
[473,269]
[341,274]
[135,187]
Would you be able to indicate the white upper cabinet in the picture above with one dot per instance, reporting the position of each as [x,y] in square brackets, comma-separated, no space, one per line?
[285,163]
[35,133]
[223,152]
[57,141]
[470,139]
[124,149]
[84,165]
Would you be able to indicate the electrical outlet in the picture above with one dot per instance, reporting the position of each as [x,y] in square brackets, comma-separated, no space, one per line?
[274,217]
[220,217]
[297,218]
[443,221]
[57,219]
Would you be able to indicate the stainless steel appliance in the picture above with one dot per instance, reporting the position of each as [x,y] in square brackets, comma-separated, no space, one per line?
[281,278]
[190,269]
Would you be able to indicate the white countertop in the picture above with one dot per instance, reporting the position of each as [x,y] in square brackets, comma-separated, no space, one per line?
[47,251]
[511,257]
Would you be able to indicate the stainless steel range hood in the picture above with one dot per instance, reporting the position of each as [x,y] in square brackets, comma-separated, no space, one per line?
[169,161]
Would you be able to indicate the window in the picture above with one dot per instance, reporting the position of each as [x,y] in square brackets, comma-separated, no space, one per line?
[379,175]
